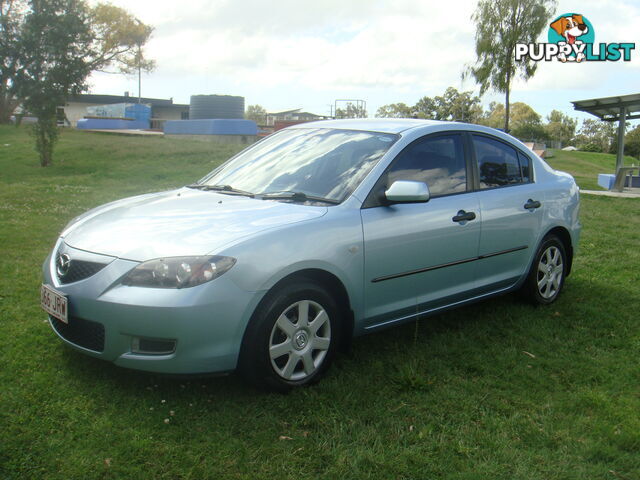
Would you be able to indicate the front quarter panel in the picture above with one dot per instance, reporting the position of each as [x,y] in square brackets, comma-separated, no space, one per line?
[332,243]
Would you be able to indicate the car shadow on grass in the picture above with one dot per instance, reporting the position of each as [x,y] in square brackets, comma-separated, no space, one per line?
[479,339]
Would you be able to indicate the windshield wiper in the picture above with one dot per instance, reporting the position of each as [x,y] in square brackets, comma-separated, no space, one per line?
[298,197]
[227,189]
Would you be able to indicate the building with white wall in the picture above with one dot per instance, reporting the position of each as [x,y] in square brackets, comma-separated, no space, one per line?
[161,109]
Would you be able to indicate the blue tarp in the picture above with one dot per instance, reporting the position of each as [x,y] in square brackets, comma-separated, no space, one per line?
[135,111]
[138,111]
[211,127]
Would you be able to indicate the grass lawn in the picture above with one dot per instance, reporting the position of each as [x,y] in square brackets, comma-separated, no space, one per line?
[585,166]
[496,390]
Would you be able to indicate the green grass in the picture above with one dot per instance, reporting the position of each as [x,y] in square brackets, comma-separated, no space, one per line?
[498,390]
[585,166]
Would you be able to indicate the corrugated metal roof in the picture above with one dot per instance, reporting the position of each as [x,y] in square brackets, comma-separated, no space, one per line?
[608,108]
[286,111]
[109,99]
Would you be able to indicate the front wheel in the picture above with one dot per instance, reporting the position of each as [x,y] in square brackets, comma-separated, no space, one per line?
[292,337]
[547,273]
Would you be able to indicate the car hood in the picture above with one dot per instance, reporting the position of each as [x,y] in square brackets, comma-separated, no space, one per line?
[179,222]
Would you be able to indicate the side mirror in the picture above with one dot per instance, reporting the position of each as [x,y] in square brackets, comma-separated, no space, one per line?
[407,191]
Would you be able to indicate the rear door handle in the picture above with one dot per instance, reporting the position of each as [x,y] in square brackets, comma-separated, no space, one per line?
[531,204]
[463,216]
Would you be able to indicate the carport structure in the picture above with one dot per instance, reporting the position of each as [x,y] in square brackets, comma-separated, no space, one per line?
[613,109]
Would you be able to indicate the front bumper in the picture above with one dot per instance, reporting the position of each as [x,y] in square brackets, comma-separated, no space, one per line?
[206,322]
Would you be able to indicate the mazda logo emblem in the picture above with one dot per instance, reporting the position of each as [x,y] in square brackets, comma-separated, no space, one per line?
[63,262]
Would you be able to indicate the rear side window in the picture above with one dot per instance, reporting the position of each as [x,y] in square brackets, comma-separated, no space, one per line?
[437,161]
[498,163]
[525,167]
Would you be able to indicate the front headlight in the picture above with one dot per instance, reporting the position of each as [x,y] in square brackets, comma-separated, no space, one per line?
[178,272]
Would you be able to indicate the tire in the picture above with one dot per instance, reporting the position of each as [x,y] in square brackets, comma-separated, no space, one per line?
[282,347]
[547,272]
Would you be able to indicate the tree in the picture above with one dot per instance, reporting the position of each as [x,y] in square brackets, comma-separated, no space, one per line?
[114,25]
[55,33]
[351,110]
[560,127]
[451,106]
[257,113]
[632,143]
[526,123]
[12,14]
[596,136]
[500,25]
[494,117]
[395,110]
[56,46]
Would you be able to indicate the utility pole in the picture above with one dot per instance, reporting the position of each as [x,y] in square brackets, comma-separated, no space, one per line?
[139,58]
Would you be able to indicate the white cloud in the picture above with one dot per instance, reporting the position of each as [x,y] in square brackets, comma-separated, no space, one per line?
[284,53]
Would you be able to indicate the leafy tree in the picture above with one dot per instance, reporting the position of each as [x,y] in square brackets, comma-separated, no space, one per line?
[395,110]
[500,25]
[12,15]
[115,26]
[526,123]
[452,106]
[596,136]
[459,106]
[56,44]
[494,117]
[427,107]
[560,127]
[632,143]
[351,110]
[257,113]
[56,34]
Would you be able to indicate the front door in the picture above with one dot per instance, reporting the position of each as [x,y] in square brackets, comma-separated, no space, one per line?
[421,255]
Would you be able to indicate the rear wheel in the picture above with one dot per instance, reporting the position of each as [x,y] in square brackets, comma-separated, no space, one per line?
[292,337]
[547,273]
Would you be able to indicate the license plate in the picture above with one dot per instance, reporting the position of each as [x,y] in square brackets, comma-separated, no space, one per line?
[54,303]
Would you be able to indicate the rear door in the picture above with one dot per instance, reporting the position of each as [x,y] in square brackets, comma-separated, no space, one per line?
[511,207]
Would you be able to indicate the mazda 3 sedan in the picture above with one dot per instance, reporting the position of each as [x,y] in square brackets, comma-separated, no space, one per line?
[319,233]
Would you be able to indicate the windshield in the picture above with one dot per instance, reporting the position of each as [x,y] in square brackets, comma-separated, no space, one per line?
[318,162]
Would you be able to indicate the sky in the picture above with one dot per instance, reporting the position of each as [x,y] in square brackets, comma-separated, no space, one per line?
[290,54]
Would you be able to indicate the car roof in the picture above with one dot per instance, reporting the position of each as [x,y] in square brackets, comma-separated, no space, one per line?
[405,125]
[382,125]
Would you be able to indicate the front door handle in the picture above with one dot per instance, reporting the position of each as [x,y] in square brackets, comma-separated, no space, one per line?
[531,204]
[463,216]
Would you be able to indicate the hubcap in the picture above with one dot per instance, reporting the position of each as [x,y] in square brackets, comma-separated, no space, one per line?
[300,340]
[550,272]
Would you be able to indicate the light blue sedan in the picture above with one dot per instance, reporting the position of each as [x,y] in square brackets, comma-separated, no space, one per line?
[318,233]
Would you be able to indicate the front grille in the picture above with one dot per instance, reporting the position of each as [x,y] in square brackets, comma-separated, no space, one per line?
[79,270]
[81,332]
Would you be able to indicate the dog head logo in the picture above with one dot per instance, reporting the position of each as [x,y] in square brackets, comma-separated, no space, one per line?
[571,29]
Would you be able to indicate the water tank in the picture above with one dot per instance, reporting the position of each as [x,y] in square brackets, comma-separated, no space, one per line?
[216,106]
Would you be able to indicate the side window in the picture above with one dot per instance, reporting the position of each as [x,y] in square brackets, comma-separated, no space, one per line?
[497,163]
[438,161]
[525,167]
